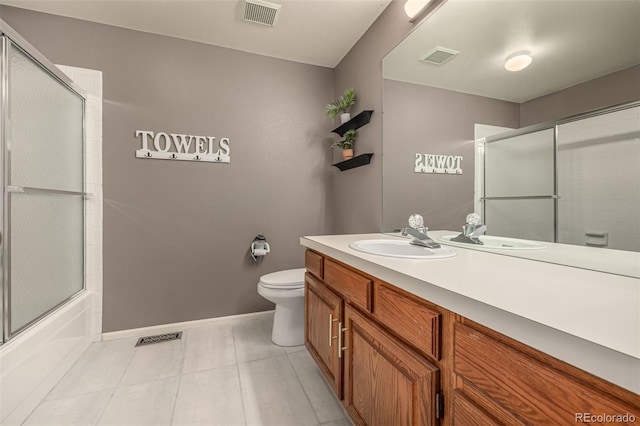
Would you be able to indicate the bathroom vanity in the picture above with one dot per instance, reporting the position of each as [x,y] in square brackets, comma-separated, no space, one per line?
[474,339]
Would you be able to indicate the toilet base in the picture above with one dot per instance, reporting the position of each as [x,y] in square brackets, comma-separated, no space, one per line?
[288,325]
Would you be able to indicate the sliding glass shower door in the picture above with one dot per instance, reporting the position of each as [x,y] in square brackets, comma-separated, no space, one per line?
[43,187]
[520,186]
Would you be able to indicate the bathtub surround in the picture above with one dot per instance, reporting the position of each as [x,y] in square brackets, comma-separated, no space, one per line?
[176,234]
[91,82]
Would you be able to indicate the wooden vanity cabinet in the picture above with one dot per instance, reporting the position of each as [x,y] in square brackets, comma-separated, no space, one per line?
[503,381]
[379,378]
[395,359]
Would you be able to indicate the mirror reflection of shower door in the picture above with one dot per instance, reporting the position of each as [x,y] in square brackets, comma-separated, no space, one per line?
[519,186]
[599,180]
[43,179]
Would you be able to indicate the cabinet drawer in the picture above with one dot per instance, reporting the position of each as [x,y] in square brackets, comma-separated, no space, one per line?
[314,263]
[351,285]
[531,390]
[409,318]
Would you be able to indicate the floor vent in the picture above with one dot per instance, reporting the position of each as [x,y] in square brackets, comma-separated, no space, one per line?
[261,12]
[167,337]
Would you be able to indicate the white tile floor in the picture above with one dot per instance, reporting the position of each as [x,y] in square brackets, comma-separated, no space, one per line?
[224,374]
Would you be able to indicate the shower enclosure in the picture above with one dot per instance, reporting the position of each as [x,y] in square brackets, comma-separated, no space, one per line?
[42,178]
[576,181]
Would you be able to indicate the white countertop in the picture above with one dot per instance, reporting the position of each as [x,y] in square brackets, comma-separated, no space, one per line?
[586,318]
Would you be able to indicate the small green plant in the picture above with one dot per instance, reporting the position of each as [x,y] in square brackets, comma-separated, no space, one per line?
[341,105]
[348,141]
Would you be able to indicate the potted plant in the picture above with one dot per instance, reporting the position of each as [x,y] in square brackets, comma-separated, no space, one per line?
[341,106]
[347,144]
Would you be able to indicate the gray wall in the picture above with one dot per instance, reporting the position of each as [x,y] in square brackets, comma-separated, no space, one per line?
[428,120]
[357,193]
[176,234]
[613,89]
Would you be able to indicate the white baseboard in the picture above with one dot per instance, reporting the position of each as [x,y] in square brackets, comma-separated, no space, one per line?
[177,326]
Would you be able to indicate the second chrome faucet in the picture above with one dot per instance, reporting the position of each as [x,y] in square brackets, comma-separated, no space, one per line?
[418,232]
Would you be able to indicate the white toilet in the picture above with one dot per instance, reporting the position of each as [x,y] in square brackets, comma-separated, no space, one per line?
[286,290]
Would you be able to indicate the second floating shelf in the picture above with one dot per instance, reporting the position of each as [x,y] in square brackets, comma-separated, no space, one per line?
[357,161]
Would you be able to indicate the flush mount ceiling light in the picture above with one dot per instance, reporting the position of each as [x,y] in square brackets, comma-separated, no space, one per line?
[413,8]
[518,61]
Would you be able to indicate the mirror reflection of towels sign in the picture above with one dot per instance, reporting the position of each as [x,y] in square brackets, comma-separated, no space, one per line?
[177,146]
[439,164]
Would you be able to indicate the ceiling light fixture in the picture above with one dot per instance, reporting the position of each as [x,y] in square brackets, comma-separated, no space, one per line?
[413,8]
[518,61]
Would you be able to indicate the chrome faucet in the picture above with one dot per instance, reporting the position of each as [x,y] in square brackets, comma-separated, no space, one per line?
[418,232]
[472,231]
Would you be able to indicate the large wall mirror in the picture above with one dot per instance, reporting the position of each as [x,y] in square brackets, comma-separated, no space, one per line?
[550,153]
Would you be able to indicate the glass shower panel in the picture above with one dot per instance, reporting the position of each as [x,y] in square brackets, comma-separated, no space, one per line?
[599,180]
[44,146]
[46,128]
[520,166]
[46,253]
[527,219]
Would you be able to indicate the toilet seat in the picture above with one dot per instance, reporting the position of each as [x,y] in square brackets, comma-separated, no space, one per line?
[289,279]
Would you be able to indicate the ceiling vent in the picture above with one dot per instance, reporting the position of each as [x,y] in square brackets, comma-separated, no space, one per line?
[261,12]
[439,55]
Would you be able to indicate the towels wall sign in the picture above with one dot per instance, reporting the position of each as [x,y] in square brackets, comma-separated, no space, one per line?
[442,164]
[176,146]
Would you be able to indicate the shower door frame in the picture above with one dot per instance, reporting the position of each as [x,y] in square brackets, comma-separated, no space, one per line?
[9,38]
[554,124]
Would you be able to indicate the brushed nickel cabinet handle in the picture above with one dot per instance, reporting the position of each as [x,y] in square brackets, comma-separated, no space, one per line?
[331,336]
[340,347]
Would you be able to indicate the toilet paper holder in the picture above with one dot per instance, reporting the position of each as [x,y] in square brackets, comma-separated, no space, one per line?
[259,247]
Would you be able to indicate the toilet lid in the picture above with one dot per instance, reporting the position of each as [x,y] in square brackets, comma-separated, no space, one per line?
[291,278]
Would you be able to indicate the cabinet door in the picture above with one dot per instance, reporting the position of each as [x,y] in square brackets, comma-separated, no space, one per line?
[386,383]
[515,384]
[323,309]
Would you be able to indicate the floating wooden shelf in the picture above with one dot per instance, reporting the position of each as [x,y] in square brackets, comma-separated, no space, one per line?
[356,122]
[357,161]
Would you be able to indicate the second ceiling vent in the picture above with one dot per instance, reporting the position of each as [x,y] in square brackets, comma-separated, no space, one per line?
[261,12]
[439,55]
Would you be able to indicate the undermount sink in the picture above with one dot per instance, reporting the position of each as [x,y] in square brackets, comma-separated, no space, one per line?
[401,249]
[498,243]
